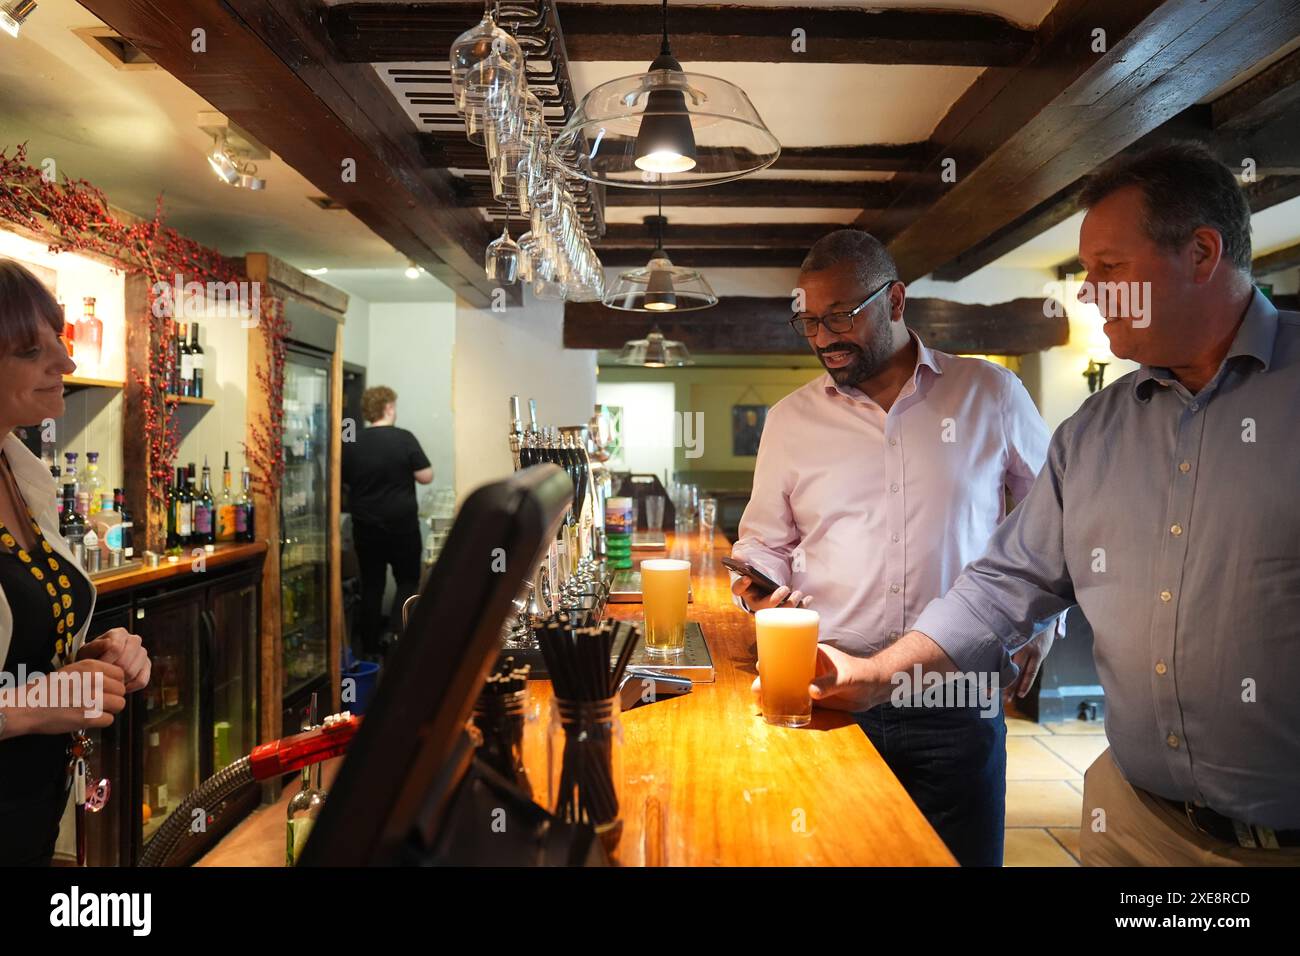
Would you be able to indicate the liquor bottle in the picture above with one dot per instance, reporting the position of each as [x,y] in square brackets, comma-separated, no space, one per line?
[90,335]
[186,366]
[169,682]
[196,362]
[83,503]
[128,543]
[192,490]
[70,471]
[174,385]
[245,529]
[108,525]
[94,484]
[226,506]
[155,783]
[71,525]
[204,527]
[173,515]
[184,509]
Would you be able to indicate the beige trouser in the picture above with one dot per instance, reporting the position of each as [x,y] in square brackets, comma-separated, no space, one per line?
[1138,829]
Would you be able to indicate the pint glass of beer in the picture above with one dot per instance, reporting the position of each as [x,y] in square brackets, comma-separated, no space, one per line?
[787,659]
[665,586]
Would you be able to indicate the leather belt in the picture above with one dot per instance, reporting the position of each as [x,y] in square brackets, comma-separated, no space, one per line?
[1255,837]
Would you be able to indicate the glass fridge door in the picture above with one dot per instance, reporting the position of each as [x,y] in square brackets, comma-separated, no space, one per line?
[304,516]
[170,718]
[232,610]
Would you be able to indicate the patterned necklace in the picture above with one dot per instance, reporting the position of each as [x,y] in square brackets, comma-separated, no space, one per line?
[48,570]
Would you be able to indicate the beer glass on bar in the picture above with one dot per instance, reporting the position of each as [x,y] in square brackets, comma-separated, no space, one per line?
[787,659]
[665,587]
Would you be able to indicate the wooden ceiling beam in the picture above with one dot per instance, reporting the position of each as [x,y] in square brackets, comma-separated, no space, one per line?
[735,235]
[761,326]
[1262,98]
[387,32]
[705,258]
[1288,258]
[269,68]
[1071,109]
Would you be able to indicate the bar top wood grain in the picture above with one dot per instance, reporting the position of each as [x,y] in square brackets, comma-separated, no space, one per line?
[707,782]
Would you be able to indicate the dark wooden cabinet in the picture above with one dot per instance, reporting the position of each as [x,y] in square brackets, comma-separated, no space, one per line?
[198,714]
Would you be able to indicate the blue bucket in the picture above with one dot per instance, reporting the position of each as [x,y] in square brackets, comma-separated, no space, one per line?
[359,681]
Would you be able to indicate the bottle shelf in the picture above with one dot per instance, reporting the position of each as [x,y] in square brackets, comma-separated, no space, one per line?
[75,383]
[188,400]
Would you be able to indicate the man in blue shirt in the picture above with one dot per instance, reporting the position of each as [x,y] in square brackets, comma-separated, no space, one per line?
[1167,510]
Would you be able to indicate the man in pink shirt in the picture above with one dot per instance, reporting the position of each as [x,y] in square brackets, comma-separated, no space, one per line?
[874,485]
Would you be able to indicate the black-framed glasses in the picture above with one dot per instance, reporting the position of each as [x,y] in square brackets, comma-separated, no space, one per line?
[837,322]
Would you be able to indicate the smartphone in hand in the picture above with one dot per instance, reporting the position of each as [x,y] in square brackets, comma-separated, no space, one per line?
[761,582]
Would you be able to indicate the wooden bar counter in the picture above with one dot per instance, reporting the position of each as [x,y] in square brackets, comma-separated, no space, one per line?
[707,782]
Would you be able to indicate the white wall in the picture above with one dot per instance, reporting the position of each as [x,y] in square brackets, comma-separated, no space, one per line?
[648,414]
[518,351]
[356,331]
[213,430]
[410,350]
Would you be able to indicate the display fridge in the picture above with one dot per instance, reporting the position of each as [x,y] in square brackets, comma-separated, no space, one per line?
[304,529]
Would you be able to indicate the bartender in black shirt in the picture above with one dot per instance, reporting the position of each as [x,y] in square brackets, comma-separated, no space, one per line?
[380,469]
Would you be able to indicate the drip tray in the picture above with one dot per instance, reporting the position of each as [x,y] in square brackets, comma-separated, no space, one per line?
[625,588]
[695,662]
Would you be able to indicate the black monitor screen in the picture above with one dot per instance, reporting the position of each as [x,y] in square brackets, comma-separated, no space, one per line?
[411,750]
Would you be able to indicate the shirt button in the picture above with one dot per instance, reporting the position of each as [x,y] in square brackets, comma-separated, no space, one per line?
[1194,407]
[893,634]
[1166,596]
[1176,530]
[894,487]
[893,441]
[1184,466]
[894,588]
[1172,741]
[894,537]
[1160,667]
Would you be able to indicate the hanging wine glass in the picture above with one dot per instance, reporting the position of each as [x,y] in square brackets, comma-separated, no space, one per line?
[501,261]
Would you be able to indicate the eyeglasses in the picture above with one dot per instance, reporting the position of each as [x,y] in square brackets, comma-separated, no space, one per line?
[837,322]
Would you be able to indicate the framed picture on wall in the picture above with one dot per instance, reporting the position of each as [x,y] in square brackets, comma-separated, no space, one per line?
[747,428]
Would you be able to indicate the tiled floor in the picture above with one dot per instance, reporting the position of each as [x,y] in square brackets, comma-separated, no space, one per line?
[1045,766]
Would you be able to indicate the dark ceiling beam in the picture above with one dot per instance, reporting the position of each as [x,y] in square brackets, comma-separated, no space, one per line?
[865,157]
[792,193]
[1274,150]
[722,235]
[1262,98]
[761,326]
[269,69]
[706,258]
[385,32]
[1288,258]
[1093,106]
[1012,236]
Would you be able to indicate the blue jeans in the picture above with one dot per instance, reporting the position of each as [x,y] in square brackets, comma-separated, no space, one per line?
[953,764]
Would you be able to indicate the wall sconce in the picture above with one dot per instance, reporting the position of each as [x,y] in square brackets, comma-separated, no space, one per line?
[1095,373]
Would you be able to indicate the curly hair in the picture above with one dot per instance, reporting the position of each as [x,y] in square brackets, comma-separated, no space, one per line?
[375,400]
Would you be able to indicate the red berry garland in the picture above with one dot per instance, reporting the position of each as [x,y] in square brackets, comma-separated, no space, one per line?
[75,217]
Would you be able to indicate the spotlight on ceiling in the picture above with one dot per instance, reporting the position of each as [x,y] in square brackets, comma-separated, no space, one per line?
[14,13]
[412,270]
[232,152]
